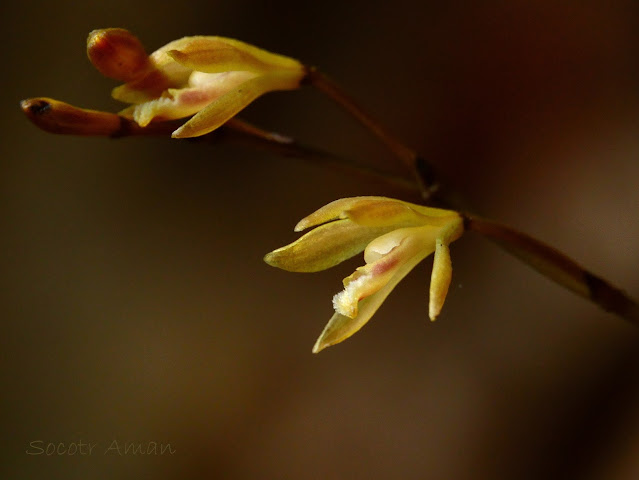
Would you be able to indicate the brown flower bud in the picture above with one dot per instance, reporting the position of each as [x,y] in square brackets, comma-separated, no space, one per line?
[117,54]
[59,117]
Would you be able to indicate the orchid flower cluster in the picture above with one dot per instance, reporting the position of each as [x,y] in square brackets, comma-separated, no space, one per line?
[394,235]
[210,80]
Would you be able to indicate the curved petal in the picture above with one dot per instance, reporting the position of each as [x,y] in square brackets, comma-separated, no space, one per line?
[403,214]
[180,103]
[323,247]
[163,73]
[340,327]
[226,107]
[219,54]
[442,267]
[377,211]
[384,257]
[332,211]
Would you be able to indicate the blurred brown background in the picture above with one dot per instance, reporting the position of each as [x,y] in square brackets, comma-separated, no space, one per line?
[136,306]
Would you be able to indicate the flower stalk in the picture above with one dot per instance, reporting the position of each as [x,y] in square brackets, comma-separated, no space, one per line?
[557,266]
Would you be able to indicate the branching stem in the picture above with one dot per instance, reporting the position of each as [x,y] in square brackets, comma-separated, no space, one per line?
[61,118]
[543,258]
[423,174]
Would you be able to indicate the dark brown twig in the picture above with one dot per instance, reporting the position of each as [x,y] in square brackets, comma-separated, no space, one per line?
[558,267]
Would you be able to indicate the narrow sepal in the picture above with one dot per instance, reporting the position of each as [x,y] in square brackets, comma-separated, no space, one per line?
[218,54]
[323,247]
[442,273]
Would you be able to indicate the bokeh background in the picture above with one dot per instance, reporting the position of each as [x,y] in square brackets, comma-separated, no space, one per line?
[136,307]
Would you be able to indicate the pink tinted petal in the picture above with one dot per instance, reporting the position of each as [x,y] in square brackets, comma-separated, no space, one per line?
[180,103]
[412,238]
[163,73]
[226,107]
[340,327]
[385,256]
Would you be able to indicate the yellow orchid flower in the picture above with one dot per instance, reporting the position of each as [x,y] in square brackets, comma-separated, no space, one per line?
[212,78]
[395,237]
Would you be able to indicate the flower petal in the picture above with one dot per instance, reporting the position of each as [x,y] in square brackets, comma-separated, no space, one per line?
[340,327]
[229,105]
[442,268]
[219,54]
[384,257]
[180,103]
[164,72]
[331,211]
[377,211]
[412,245]
[402,214]
[323,247]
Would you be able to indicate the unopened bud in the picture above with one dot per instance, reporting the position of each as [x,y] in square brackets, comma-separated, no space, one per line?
[59,117]
[117,54]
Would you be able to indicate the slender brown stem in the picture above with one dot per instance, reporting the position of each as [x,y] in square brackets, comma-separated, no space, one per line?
[422,172]
[58,117]
[289,147]
[558,267]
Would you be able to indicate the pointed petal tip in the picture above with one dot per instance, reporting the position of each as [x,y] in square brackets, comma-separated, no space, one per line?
[435,306]
[301,225]
[436,303]
[176,55]
[179,133]
[320,344]
[270,259]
